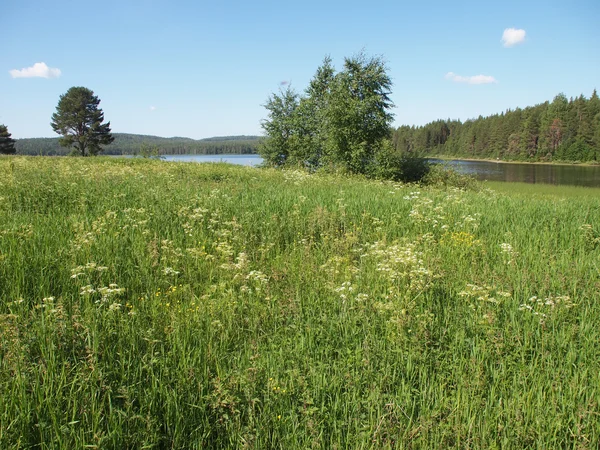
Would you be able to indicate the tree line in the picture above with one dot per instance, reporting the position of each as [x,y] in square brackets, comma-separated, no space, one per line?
[561,130]
[131,144]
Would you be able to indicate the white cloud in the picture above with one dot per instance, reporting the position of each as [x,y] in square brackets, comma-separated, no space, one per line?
[513,36]
[153,108]
[475,79]
[39,70]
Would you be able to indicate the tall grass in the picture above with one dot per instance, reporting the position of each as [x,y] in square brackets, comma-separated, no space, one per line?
[146,304]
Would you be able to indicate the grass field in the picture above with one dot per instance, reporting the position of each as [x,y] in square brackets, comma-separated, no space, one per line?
[146,304]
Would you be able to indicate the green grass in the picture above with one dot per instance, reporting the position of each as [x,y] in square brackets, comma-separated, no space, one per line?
[146,304]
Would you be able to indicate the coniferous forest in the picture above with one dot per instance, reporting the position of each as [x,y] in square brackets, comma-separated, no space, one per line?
[130,144]
[562,130]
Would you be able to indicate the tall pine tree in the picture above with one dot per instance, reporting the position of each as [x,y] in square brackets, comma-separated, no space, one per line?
[7,144]
[79,120]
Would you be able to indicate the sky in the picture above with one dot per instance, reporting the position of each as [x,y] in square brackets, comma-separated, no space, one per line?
[200,69]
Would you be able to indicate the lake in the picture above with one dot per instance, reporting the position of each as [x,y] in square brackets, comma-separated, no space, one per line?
[482,170]
[528,173]
[242,160]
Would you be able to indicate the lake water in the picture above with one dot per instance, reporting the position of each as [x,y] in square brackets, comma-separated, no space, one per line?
[242,160]
[482,170]
[529,173]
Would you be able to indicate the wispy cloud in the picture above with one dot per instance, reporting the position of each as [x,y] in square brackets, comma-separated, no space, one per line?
[513,36]
[38,70]
[153,108]
[475,79]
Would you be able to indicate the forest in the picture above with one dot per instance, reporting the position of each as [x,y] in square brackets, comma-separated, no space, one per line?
[129,144]
[562,130]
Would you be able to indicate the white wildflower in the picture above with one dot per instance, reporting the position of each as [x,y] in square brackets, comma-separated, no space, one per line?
[257,276]
[170,271]
[87,290]
[114,307]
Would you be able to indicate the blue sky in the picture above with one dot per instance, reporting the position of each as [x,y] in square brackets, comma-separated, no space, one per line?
[200,69]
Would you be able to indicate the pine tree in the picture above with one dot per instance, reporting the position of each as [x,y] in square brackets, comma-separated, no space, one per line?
[7,144]
[530,133]
[553,125]
[594,114]
[79,120]
[594,104]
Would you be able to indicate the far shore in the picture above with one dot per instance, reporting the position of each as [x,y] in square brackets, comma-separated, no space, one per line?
[547,163]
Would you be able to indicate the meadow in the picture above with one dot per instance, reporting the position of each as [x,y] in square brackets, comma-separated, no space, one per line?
[153,305]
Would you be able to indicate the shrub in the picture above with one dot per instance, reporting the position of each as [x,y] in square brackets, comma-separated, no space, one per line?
[393,165]
[442,175]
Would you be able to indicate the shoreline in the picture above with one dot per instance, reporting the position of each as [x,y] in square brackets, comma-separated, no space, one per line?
[502,161]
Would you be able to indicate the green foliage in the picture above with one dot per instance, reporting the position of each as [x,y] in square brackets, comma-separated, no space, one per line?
[79,120]
[405,167]
[149,151]
[358,113]
[442,176]
[188,306]
[561,130]
[282,129]
[7,144]
[314,107]
[342,120]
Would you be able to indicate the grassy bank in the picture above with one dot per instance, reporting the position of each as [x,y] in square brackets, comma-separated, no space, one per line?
[531,190]
[515,161]
[146,304]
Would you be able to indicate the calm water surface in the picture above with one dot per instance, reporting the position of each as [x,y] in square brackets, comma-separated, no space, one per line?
[482,170]
[242,160]
[529,173]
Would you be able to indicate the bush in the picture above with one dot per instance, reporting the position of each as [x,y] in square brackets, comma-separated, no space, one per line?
[393,165]
[149,151]
[442,175]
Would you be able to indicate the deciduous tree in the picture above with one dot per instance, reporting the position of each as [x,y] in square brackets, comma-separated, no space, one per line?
[342,120]
[280,128]
[359,112]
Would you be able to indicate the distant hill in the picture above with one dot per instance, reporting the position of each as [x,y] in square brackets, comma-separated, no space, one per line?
[128,144]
